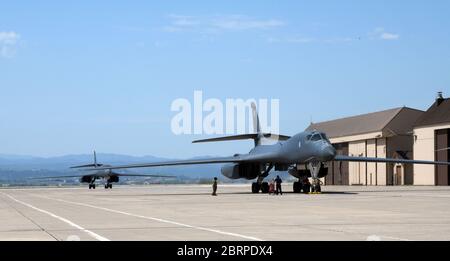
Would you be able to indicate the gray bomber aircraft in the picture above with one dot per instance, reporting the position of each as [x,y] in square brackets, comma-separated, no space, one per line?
[302,155]
[95,173]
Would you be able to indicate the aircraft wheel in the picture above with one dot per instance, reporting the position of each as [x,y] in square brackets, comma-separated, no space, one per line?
[297,187]
[265,187]
[93,186]
[306,188]
[90,186]
[313,188]
[110,186]
[255,187]
[319,188]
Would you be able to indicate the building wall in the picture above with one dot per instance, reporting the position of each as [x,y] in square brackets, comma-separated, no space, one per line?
[400,143]
[361,173]
[424,150]
[371,174]
[338,171]
[359,137]
[371,167]
[381,167]
[442,175]
[357,170]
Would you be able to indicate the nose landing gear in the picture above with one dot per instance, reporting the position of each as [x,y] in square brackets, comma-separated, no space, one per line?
[316,186]
[314,168]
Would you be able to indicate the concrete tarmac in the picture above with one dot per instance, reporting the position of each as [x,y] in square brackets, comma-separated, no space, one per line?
[189,212]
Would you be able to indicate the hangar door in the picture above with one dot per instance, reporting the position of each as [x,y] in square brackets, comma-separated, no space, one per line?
[338,171]
[442,153]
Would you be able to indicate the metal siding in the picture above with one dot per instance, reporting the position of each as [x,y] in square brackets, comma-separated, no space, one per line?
[345,167]
[442,154]
[371,167]
[339,170]
[357,170]
[381,167]
[329,177]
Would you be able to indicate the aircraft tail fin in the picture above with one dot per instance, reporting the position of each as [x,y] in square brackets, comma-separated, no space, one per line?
[94,165]
[95,158]
[256,124]
[257,136]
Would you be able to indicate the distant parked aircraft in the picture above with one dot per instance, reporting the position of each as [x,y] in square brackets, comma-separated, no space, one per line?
[94,173]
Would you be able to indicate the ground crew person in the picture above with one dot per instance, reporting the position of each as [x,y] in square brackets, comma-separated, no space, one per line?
[278,182]
[272,187]
[214,187]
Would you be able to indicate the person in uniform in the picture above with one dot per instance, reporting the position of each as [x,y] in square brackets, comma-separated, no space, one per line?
[214,187]
[278,182]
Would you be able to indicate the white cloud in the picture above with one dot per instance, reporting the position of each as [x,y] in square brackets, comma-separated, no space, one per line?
[389,36]
[8,37]
[184,20]
[8,42]
[218,23]
[238,22]
[380,34]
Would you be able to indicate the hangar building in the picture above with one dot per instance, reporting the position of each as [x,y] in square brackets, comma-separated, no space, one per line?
[432,142]
[380,134]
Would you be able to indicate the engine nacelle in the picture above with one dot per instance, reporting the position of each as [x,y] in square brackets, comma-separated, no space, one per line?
[113,179]
[86,179]
[241,171]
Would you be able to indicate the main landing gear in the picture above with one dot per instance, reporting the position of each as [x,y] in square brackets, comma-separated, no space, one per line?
[259,185]
[108,186]
[91,186]
[263,187]
[302,186]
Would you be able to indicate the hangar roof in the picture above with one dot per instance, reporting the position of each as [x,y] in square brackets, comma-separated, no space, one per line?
[436,114]
[391,122]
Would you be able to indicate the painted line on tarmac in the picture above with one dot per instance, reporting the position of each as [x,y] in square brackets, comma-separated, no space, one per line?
[395,238]
[90,233]
[158,219]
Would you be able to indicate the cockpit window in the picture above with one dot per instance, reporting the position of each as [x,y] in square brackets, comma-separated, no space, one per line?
[308,137]
[316,137]
[324,136]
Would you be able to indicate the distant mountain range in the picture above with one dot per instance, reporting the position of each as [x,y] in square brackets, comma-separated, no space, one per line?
[20,169]
[64,162]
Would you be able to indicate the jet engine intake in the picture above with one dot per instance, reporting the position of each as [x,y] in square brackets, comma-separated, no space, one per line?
[241,171]
[86,179]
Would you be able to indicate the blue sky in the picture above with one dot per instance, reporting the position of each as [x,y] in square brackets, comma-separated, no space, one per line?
[102,75]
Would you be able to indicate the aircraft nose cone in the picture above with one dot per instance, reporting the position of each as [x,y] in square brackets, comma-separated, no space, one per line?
[329,153]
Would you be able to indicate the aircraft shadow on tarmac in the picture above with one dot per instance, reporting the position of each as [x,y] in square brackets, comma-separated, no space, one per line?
[233,193]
